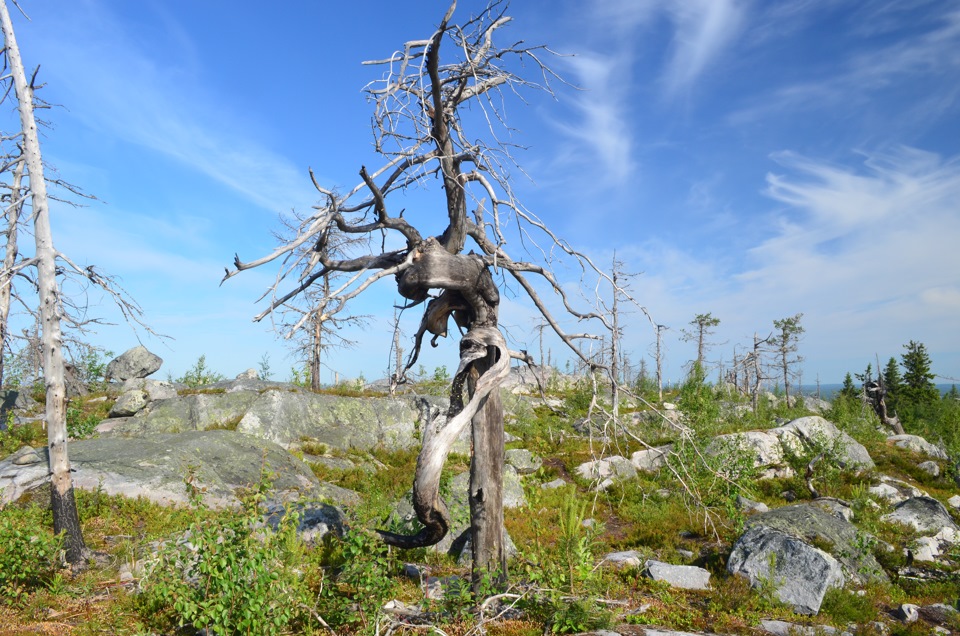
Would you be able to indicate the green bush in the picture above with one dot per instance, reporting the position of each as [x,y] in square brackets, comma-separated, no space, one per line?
[229,576]
[19,435]
[29,554]
[199,374]
[362,584]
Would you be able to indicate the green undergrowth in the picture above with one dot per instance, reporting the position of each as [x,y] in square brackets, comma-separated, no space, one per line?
[228,572]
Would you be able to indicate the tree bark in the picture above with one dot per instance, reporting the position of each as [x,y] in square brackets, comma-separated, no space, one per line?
[65,517]
[9,260]
[486,486]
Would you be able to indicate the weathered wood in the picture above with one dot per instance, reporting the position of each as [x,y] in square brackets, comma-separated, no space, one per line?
[486,488]
[65,515]
[439,436]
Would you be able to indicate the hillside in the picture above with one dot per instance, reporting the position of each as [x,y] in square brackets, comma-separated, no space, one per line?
[696,515]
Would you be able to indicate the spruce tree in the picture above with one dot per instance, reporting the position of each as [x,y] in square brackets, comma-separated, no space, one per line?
[848,389]
[918,389]
[892,383]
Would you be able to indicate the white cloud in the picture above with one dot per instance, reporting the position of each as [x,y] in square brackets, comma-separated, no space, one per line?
[602,127]
[703,30]
[165,108]
[854,80]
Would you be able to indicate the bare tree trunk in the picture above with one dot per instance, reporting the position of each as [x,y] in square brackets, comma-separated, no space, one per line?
[614,349]
[315,349]
[660,329]
[9,259]
[397,356]
[65,516]
[486,485]
[757,375]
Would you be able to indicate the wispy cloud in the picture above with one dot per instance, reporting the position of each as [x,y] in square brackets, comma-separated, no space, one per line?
[166,109]
[703,29]
[602,125]
[853,241]
[934,55]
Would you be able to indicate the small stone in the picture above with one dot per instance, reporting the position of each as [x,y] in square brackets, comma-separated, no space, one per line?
[789,495]
[750,506]
[413,571]
[603,485]
[930,467]
[626,559]
[556,483]
[523,460]
[954,502]
[687,577]
[907,612]
[26,456]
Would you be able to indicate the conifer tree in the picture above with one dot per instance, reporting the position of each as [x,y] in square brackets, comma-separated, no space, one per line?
[848,389]
[892,383]
[918,388]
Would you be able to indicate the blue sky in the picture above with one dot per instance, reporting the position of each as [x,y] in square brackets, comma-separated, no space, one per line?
[749,159]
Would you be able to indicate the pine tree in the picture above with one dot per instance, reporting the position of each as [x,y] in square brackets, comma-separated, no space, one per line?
[918,388]
[892,383]
[848,389]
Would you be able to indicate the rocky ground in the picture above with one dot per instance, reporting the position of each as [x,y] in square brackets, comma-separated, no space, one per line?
[161,442]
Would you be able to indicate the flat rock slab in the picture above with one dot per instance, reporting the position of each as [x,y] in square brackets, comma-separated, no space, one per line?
[625,559]
[783,628]
[283,414]
[687,577]
[157,467]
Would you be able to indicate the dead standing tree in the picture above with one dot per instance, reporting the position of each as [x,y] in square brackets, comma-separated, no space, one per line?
[56,309]
[419,125]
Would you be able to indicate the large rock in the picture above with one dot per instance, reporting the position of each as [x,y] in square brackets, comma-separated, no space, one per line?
[917,444]
[651,459]
[924,514]
[155,389]
[803,550]
[763,447]
[133,363]
[894,491]
[523,460]
[129,403]
[799,573]
[613,467]
[218,463]
[194,412]
[813,432]
[285,415]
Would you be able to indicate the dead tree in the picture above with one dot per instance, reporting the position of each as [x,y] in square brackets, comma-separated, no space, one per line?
[65,516]
[431,92]
[55,309]
[12,205]
[305,319]
[659,359]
